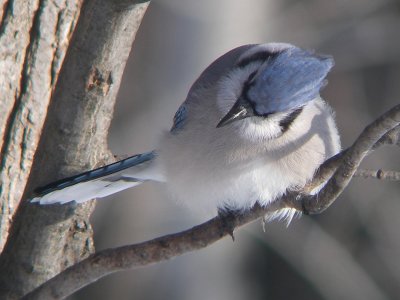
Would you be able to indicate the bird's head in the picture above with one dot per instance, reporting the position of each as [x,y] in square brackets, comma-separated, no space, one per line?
[270,79]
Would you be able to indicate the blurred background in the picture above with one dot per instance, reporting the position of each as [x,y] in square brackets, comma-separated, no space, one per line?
[349,252]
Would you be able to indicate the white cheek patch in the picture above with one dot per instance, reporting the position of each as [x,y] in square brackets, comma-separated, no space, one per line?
[258,128]
[230,87]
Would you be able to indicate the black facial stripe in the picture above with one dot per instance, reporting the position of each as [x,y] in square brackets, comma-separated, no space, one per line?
[258,56]
[288,120]
[249,81]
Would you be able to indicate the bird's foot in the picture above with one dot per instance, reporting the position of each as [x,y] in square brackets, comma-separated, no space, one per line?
[228,218]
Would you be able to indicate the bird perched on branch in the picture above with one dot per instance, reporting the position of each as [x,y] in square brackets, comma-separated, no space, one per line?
[252,127]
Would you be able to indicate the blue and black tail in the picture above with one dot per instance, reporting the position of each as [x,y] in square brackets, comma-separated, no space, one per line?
[100,182]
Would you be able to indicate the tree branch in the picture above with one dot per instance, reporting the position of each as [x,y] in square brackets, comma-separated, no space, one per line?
[351,160]
[169,246]
[328,168]
[379,174]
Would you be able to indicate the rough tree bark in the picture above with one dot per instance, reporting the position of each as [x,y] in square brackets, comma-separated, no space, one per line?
[34,36]
[44,241]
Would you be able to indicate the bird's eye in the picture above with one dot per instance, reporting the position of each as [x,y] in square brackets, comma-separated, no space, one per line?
[250,78]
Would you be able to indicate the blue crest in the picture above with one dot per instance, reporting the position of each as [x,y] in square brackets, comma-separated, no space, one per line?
[288,80]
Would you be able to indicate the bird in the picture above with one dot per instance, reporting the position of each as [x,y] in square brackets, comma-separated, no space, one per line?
[252,128]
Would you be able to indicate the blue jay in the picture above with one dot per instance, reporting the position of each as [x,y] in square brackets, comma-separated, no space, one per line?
[252,127]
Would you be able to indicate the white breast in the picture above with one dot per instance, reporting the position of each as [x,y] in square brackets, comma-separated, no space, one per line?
[206,167]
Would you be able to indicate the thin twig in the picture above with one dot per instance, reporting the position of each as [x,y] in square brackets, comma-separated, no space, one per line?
[351,160]
[378,174]
[163,248]
[328,168]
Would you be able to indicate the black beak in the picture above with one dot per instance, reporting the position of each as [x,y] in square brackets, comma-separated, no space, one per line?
[239,111]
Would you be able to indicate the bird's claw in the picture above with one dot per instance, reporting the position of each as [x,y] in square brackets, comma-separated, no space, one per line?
[228,221]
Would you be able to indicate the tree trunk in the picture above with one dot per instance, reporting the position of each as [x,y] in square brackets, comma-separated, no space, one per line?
[34,38]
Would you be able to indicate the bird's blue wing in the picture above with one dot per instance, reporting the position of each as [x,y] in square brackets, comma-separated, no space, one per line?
[179,118]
